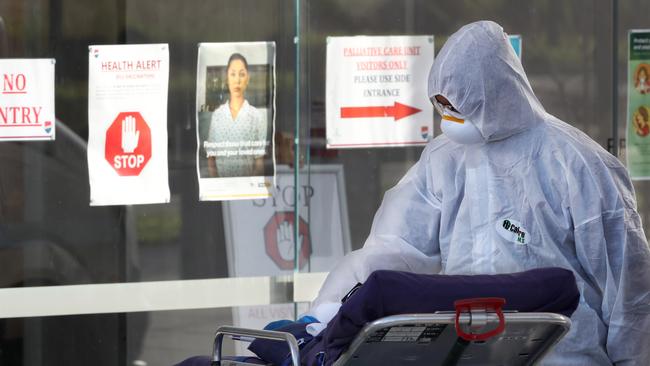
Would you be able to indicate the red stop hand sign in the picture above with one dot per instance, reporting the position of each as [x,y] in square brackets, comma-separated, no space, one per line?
[272,237]
[128,144]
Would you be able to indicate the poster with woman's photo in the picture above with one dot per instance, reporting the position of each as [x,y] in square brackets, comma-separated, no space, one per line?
[235,104]
[638,105]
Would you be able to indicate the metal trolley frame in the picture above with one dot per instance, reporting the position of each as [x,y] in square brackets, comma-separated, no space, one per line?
[442,338]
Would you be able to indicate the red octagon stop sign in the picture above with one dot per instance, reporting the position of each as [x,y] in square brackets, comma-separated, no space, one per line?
[128,144]
[272,246]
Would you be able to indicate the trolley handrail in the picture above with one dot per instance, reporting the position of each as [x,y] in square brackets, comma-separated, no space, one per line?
[254,333]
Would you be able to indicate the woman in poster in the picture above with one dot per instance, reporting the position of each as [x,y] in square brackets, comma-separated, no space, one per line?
[237,137]
[642,122]
[641,81]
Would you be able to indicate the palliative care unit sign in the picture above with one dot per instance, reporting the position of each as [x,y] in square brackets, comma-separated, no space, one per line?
[127,124]
[376,91]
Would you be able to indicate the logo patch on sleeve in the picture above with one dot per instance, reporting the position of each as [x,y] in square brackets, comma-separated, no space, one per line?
[513,231]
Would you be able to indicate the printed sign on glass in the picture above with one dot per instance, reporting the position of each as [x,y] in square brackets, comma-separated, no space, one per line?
[638,105]
[127,116]
[260,233]
[235,104]
[27,99]
[376,91]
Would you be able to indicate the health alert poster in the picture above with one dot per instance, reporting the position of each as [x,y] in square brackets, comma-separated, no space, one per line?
[235,105]
[127,124]
[27,99]
[376,92]
[638,105]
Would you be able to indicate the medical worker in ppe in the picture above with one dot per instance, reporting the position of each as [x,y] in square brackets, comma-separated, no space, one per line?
[508,187]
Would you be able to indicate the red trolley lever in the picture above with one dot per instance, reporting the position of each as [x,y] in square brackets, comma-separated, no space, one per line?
[486,304]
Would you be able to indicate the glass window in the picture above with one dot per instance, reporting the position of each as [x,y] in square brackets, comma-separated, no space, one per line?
[50,236]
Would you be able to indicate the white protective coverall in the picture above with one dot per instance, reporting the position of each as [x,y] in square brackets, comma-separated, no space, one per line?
[462,209]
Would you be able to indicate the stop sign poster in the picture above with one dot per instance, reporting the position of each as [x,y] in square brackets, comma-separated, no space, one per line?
[26,99]
[127,117]
[260,233]
[376,91]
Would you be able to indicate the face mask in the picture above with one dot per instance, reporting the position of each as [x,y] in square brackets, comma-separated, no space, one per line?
[459,130]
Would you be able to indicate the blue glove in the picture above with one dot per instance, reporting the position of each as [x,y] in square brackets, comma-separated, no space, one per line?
[277,324]
[307,320]
[284,322]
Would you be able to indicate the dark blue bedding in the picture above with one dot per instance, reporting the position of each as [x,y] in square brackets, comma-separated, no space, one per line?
[390,292]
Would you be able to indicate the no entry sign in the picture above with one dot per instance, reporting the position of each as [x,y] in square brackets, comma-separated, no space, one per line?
[128,144]
[27,99]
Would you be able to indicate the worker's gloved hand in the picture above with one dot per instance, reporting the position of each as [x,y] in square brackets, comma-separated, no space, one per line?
[284,322]
[277,352]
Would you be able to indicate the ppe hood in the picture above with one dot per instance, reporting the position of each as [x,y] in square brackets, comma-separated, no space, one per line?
[479,73]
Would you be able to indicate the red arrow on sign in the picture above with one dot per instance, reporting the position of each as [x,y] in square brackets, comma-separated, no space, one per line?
[397,111]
